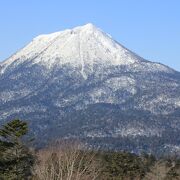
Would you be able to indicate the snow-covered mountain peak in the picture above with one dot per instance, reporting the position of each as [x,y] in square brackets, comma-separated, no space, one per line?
[87,28]
[82,47]
[89,25]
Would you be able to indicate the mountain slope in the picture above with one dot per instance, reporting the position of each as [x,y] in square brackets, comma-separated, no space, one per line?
[82,83]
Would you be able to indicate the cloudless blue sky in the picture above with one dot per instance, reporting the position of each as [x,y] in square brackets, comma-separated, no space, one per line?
[151,28]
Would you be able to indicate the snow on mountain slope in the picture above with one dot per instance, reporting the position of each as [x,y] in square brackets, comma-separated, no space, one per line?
[81,47]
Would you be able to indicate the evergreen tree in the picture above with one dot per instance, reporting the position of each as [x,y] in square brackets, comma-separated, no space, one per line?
[16,159]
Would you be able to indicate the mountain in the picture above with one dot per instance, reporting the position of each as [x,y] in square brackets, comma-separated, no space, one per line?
[80,83]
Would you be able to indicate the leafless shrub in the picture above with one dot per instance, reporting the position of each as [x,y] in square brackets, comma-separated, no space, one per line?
[66,161]
[160,171]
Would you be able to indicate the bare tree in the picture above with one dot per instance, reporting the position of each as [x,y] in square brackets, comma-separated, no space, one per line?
[158,172]
[66,161]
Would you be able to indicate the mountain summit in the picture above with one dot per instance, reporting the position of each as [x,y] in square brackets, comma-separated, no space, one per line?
[83,47]
[81,83]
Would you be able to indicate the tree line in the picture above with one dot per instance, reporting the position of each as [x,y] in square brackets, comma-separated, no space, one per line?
[69,160]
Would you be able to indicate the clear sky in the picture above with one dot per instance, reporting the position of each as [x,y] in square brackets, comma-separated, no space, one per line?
[151,28]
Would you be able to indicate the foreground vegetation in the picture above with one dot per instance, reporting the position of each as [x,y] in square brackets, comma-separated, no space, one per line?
[68,160]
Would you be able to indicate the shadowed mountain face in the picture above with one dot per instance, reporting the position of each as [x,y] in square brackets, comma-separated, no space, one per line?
[81,83]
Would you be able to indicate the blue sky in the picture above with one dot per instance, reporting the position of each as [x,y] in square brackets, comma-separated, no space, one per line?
[151,28]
